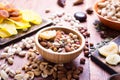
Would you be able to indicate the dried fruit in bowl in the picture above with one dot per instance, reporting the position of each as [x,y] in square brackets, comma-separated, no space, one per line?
[112,48]
[48,34]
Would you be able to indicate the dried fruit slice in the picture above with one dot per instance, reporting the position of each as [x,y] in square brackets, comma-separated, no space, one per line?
[32,17]
[8,27]
[4,34]
[4,14]
[1,19]
[113,59]
[112,48]
[48,34]
[20,24]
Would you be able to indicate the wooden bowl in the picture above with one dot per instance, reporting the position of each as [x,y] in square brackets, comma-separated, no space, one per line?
[109,23]
[56,57]
[114,77]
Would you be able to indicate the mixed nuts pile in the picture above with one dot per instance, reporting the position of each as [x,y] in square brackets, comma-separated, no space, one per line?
[35,66]
[109,9]
[60,41]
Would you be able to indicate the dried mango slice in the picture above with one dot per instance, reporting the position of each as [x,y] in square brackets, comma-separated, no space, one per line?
[21,24]
[8,27]
[48,34]
[32,17]
[4,34]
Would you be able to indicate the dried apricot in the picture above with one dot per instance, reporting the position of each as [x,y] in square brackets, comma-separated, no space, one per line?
[18,18]
[4,14]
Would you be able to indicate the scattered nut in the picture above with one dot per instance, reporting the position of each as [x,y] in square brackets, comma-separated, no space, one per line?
[82,61]
[3,75]
[19,76]
[22,53]
[10,60]
[78,2]
[31,74]
[61,3]
[11,73]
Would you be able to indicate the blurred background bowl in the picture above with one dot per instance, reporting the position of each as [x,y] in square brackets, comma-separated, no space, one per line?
[114,77]
[109,23]
[56,57]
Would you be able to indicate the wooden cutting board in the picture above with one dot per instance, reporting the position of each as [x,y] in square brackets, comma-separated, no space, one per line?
[100,61]
[21,34]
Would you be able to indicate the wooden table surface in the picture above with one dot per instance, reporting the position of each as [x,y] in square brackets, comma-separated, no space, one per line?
[91,70]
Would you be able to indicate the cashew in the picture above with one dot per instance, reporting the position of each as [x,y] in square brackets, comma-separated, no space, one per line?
[26,77]
[4,75]
[18,72]
[3,55]
[11,73]
[37,72]
[31,74]
[22,53]
[3,66]
[7,69]
[44,75]
[19,77]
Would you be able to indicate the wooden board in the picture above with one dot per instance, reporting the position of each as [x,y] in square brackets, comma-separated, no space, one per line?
[21,34]
[98,59]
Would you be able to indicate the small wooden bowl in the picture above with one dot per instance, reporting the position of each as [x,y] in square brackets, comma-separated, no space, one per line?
[56,57]
[114,77]
[110,23]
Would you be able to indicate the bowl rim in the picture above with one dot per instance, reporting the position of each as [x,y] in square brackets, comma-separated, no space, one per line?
[63,53]
[113,75]
[94,9]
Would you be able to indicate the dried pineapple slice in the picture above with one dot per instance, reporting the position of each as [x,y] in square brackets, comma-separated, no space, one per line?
[112,48]
[113,59]
[9,27]
[48,34]
[4,34]
[21,24]
[32,17]
[1,19]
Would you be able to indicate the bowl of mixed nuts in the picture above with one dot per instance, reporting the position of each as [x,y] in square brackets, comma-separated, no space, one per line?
[59,44]
[108,11]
